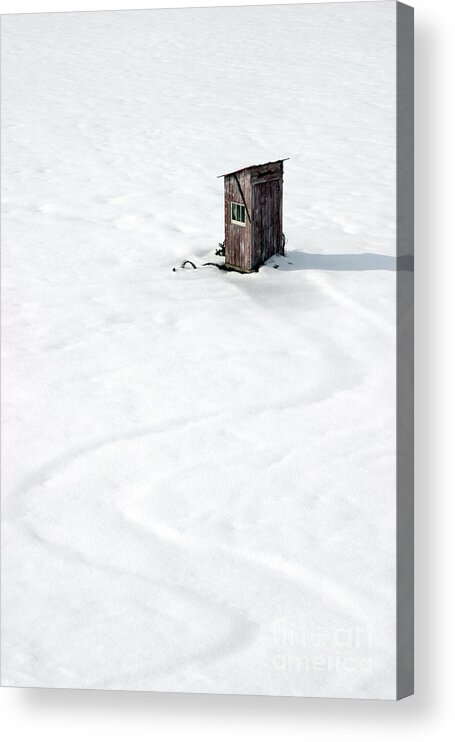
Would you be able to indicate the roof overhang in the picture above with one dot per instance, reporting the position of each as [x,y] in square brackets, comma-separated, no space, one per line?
[251,167]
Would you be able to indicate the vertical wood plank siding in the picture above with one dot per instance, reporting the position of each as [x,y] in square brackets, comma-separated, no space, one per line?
[238,238]
[261,191]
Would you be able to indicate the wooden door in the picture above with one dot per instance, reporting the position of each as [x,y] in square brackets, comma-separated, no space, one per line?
[266,221]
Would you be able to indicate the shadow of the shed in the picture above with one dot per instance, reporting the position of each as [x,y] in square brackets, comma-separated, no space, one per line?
[298,260]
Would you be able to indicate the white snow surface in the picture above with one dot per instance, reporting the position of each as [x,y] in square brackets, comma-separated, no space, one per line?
[198,466]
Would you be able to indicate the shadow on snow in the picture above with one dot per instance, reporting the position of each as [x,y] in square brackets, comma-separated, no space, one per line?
[297,260]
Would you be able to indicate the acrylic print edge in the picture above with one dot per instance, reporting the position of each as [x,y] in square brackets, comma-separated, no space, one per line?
[405,352]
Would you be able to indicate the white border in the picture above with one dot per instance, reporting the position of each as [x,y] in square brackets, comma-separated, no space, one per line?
[54,715]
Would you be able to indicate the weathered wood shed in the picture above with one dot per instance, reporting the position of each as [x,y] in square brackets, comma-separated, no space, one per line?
[253,215]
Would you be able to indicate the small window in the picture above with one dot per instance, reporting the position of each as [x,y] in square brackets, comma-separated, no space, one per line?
[238,214]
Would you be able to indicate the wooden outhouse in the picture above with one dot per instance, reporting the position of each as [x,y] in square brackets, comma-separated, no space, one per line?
[253,215]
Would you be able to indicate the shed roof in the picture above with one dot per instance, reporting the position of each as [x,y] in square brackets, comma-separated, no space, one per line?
[250,167]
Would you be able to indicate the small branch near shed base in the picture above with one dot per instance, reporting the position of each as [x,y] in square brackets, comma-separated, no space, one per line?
[221,266]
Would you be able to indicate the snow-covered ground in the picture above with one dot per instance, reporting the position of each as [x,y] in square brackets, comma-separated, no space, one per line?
[198,466]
